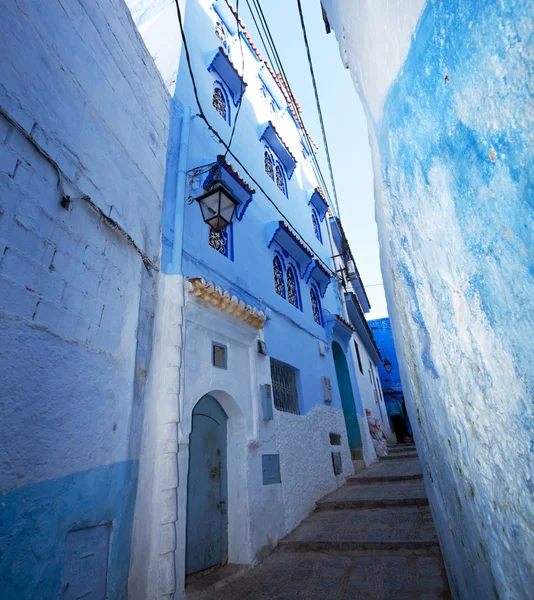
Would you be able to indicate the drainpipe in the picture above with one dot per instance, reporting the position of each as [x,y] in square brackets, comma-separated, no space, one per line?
[180,193]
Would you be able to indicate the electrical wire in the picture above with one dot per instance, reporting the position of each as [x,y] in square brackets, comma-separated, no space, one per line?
[316,92]
[278,64]
[219,138]
[242,83]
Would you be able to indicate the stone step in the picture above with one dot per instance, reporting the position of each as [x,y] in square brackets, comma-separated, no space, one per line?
[379,503]
[399,456]
[411,573]
[402,448]
[394,527]
[375,495]
[348,546]
[383,479]
[359,465]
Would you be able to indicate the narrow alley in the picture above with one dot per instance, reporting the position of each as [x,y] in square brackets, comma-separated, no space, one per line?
[373,538]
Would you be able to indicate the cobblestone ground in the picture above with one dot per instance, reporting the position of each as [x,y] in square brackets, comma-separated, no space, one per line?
[372,539]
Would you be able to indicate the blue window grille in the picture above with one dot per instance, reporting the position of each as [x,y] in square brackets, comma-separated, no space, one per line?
[316,226]
[285,392]
[279,285]
[316,306]
[275,170]
[292,288]
[222,241]
[220,102]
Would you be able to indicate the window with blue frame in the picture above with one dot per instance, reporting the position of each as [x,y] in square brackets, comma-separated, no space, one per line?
[275,170]
[316,225]
[220,102]
[292,287]
[316,306]
[222,241]
[278,272]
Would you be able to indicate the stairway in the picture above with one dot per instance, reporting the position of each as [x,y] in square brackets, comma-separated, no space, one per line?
[373,538]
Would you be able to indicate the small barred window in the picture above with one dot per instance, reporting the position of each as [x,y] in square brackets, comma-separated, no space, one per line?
[219,240]
[280,179]
[269,166]
[315,306]
[292,293]
[278,277]
[219,102]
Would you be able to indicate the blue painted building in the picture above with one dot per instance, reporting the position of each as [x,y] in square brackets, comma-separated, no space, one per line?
[388,370]
[274,335]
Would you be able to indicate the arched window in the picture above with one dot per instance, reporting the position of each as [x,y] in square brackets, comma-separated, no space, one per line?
[316,306]
[219,103]
[269,164]
[292,289]
[316,226]
[280,181]
[278,277]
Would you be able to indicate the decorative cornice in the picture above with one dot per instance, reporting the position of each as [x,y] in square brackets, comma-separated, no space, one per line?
[221,299]
[222,160]
[346,323]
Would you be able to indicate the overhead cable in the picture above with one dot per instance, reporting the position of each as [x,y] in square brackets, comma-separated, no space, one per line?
[296,111]
[303,26]
[218,136]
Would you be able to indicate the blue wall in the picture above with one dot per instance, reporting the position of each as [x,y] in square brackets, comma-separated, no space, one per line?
[35,520]
[391,382]
[456,156]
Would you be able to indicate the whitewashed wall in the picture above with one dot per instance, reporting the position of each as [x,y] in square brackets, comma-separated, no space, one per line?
[76,302]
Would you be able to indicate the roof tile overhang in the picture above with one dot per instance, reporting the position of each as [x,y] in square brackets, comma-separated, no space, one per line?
[320,274]
[221,299]
[223,171]
[361,326]
[318,201]
[337,327]
[288,240]
[222,64]
[274,139]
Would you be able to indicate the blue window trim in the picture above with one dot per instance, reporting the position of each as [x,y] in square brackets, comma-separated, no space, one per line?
[276,161]
[317,222]
[278,259]
[229,230]
[218,83]
[315,291]
[296,278]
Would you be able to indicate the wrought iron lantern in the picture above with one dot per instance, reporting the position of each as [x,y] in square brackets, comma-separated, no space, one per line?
[218,206]
[387,365]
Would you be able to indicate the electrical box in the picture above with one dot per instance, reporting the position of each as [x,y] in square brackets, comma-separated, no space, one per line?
[262,348]
[327,390]
[270,464]
[267,401]
[336,463]
[322,348]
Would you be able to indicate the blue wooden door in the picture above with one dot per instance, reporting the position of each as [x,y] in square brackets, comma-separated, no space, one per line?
[207,515]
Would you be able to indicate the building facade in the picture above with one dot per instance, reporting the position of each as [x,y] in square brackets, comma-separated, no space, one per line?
[388,369]
[269,328]
[446,90]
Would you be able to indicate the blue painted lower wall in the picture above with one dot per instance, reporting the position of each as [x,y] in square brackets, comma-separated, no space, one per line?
[35,519]
[458,234]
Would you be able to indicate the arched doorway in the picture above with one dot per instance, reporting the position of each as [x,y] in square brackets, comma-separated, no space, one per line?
[347,401]
[207,488]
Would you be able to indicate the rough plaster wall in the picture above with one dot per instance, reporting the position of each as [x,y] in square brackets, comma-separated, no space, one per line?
[76,302]
[306,459]
[452,180]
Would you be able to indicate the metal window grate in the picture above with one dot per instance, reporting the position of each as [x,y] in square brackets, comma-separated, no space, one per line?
[285,391]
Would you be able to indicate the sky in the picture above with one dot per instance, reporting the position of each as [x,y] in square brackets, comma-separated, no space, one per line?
[345,124]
